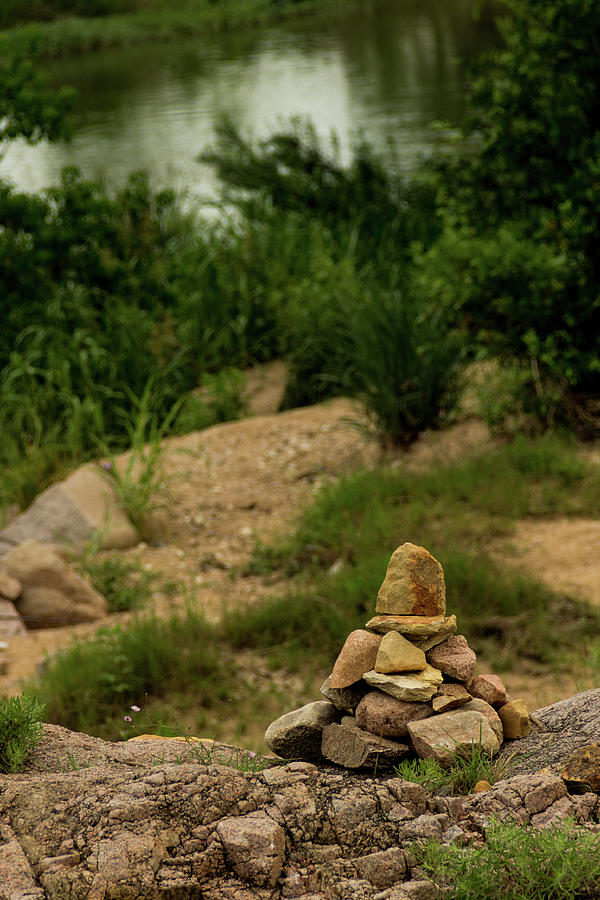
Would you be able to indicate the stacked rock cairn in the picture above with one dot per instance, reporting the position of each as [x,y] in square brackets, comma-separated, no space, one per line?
[404,685]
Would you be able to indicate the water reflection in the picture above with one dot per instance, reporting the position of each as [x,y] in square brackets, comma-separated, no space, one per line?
[388,68]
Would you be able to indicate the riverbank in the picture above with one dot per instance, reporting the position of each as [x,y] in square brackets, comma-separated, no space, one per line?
[73,35]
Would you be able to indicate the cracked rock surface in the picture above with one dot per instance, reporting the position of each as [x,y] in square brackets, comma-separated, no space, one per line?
[102,821]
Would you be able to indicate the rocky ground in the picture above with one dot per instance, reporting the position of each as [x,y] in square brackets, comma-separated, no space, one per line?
[232,484]
[172,819]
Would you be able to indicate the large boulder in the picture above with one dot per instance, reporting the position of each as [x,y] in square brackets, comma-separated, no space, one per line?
[72,512]
[53,593]
[558,731]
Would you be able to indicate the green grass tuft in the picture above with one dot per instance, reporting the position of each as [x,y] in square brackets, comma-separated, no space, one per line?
[516,863]
[20,730]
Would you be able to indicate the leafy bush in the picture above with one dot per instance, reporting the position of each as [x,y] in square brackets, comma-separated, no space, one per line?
[406,366]
[20,730]
[518,263]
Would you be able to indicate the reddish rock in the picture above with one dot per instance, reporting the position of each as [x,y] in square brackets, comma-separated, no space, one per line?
[413,585]
[382,714]
[454,658]
[356,657]
[489,688]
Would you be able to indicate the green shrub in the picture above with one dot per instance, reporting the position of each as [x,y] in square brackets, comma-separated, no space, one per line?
[86,686]
[519,259]
[123,584]
[406,366]
[20,730]
[516,863]
[459,777]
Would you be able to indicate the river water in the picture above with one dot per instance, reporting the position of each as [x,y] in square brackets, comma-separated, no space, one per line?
[387,68]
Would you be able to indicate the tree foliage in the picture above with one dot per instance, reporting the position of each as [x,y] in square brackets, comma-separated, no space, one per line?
[520,258]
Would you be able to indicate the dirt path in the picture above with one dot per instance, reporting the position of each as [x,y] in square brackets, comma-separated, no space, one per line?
[235,483]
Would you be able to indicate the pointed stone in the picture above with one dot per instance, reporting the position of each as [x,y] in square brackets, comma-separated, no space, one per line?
[396,654]
[450,696]
[413,585]
[356,657]
[420,686]
[385,716]
[514,716]
[423,631]
[442,737]
[454,658]
[489,688]
[357,749]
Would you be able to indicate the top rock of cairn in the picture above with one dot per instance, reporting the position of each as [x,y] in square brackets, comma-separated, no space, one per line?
[413,585]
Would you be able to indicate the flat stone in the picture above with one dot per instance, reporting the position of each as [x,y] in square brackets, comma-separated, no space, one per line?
[297,734]
[384,715]
[454,658]
[10,588]
[514,716]
[442,737]
[356,657]
[397,654]
[481,706]
[582,771]
[357,749]
[423,631]
[420,686]
[414,584]
[489,688]
[344,698]
[450,696]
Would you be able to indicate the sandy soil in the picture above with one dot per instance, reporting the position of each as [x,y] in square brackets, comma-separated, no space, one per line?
[232,484]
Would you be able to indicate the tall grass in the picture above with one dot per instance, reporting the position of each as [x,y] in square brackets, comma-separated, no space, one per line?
[89,686]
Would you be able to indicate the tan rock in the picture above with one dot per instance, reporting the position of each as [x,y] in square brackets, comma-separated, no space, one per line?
[413,585]
[582,771]
[356,657]
[489,688]
[397,654]
[481,787]
[514,716]
[72,512]
[454,658]
[384,715]
[443,736]
[11,622]
[480,706]
[10,588]
[53,593]
[420,686]
[450,696]
[423,631]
